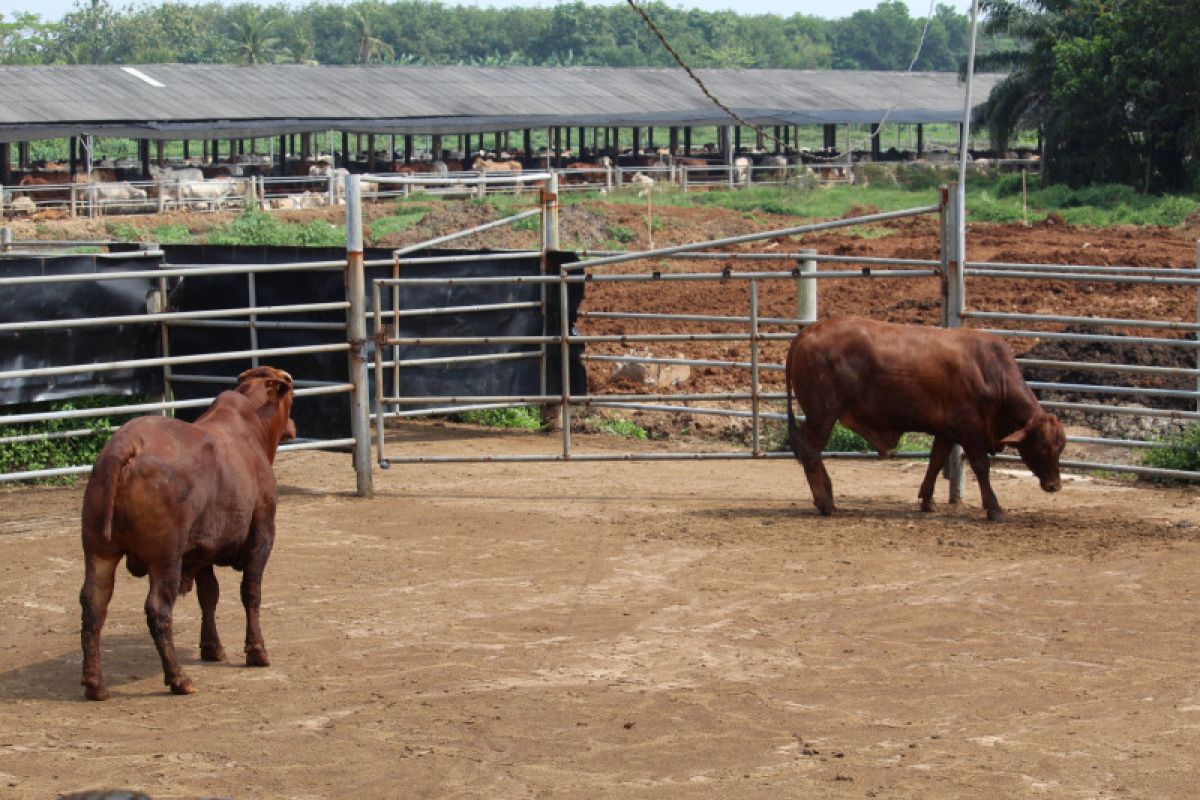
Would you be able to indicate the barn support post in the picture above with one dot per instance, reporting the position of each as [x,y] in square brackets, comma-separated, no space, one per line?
[73,152]
[435,144]
[920,139]
[345,163]
[952,298]
[408,149]
[144,157]
[6,164]
[673,140]
[687,140]
[876,144]
[282,155]
[356,329]
[636,148]
[370,152]
[778,137]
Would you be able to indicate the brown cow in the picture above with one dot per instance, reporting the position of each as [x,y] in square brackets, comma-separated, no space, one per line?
[883,380]
[176,498]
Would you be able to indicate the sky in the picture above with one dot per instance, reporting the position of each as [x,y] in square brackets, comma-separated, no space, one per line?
[830,9]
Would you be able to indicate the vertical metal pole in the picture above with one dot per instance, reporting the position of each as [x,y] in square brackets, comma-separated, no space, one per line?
[806,289]
[550,241]
[1198,320]
[253,318]
[377,308]
[6,239]
[166,344]
[395,332]
[356,329]
[951,315]
[565,360]
[754,381]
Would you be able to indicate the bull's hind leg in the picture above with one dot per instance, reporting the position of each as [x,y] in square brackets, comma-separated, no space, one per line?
[208,591]
[160,603]
[256,648]
[93,598]
[938,453]
[807,441]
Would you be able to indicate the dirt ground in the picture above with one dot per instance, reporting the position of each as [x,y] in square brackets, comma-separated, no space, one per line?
[633,630]
[666,629]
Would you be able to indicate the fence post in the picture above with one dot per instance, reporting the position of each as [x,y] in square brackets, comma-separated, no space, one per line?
[1198,320]
[952,297]
[356,328]
[550,241]
[806,289]
[6,239]
[756,445]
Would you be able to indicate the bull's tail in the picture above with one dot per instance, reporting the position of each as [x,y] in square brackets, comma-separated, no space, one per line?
[100,497]
[793,430]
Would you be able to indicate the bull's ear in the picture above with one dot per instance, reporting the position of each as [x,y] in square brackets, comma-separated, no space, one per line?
[1014,438]
[242,378]
[281,388]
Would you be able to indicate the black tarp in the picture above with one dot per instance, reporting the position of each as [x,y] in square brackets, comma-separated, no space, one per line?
[327,416]
[60,346]
[317,417]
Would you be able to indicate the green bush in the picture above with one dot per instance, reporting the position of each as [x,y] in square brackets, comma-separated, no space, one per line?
[54,453]
[255,227]
[844,440]
[621,234]
[523,417]
[1182,452]
[618,426]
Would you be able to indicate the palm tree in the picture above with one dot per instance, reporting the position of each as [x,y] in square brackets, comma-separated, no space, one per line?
[251,36]
[1024,99]
[369,47]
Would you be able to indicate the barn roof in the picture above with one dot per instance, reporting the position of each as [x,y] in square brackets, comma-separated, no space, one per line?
[174,101]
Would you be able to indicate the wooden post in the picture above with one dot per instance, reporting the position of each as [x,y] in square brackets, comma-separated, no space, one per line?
[345,151]
[6,164]
[920,140]
[144,158]
[687,140]
[408,148]
[73,152]
[637,142]
[673,140]
[370,152]
[527,142]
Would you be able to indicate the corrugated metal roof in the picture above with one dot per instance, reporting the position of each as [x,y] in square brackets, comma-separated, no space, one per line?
[172,101]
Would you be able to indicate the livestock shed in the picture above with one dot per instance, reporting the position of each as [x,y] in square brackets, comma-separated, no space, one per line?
[226,102]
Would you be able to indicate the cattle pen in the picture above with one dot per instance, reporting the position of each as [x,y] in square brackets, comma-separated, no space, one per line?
[627,622]
[374,359]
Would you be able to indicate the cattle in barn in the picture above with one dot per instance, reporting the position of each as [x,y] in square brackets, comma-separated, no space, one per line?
[741,169]
[209,195]
[120,194]
[642,182]
[882,380]
[176,499]
[44,187]
[301,200]
[487,165]
[584,172]
[773,168]
[695,168]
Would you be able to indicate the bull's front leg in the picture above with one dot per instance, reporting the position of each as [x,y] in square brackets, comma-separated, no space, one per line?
[981,464]
[93,598]
[256,648]
[208,591]
[938,453]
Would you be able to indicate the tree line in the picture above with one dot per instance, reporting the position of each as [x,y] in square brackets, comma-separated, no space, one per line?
[1113,86]
[424,32]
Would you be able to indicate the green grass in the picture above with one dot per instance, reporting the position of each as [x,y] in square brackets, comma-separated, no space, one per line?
[254,227]
[618,426]
[405,218]
[521,417]
[171,234]
[1182,452]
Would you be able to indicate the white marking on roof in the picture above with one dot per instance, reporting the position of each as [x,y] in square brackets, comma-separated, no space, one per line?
[137,73]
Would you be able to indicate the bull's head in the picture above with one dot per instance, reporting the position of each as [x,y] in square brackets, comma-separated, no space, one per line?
[1040,443]
[271,391]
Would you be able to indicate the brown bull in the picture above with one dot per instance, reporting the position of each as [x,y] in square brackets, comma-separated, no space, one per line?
[176,498]
[883,380]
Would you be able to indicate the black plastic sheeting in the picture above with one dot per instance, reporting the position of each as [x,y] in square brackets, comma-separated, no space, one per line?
[60,346]
[328,416]
[320,417]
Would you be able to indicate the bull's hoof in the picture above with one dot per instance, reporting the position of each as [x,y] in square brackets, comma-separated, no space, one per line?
[995,515]
[182,686]
[927,506]
[825,510]
[212,652]
[257,657]
[96,692]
